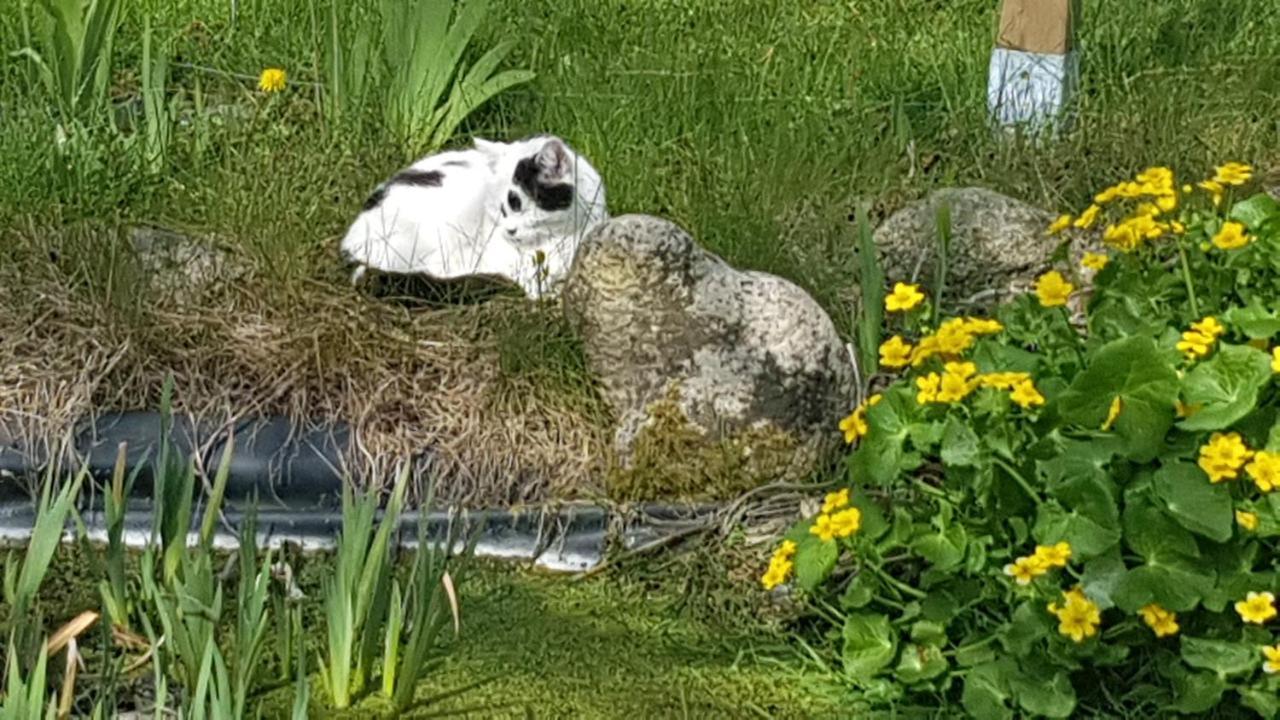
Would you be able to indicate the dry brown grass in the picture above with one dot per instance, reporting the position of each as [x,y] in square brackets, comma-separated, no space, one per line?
[81,331]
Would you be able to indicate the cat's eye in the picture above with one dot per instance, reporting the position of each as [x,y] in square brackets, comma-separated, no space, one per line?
[513,200]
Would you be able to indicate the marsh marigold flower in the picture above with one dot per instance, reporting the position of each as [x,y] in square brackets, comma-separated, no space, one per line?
[1231,237]
[927,386]
[272,80]
[1002,380]
[1257,607]
[1088,217]
[1272,654]
[1265,470]
[1062,223]
[1026,395]
[895,352]
[835,500]
[780,565]
[1162,622]
[1094,261]
[1232,173]
[1055,555]
[1247,520]
[926,348]
[1025,569]
[957,381]
[1199,340]
[1275,360]
[954,337]
[846,522]
[1214,188]
[903,298]
[1112,413]
[1078,616]
[855,425]
[1052,289]
[1223,456]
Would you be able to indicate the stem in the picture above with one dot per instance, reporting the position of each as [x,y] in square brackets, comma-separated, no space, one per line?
[1022,482]
[1186,278]
[897,584]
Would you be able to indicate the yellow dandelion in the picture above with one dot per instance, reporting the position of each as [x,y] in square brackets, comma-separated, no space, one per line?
[272,80]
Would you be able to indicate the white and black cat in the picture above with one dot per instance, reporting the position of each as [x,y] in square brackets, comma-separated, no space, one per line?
[495,209]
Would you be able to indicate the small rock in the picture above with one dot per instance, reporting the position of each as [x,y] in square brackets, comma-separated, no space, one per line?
[997,247]
[181,267]
[704,364]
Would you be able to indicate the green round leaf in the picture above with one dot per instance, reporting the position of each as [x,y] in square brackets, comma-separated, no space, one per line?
[869,645]
[1226,386]
[1197,504]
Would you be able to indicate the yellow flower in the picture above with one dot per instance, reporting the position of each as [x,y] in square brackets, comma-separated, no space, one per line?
[1224,455]
[928,388]
[1052,289]
[1002,380]
[1055,555]
[953,337]
[1078,616]
[855,425]
[982,326]
[1094,261]
[835,500]
[779,565]
[1275,360]
[895,353]
[956,382]
[1026,395]
[846,522]
[926,348]
[1231,237]
[904,297]
[1257,607]
[1062,223]
[777,573]
[1214,188]
[1247,520]
[1233,173]
[1162,621]
[1265,470]
[272,80]
[1272,654]
[1209,326]
[1025,569]
[1197,341]
[1167,202]
[823,528]
[1185,411]
[1114,412]
[1088,217]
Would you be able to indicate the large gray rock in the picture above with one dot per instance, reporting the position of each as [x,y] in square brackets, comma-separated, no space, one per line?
[998,245]
[743,360]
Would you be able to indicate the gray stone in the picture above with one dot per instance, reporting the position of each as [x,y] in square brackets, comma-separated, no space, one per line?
[739,354]
[181,267]
[998,245]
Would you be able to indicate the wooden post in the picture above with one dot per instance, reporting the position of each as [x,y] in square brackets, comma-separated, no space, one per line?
[1032,79]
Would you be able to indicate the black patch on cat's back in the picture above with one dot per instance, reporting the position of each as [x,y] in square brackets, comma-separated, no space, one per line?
[548,197]
[413,178]
[418,178]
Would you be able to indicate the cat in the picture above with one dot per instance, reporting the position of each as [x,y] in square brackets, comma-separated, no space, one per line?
[514,210]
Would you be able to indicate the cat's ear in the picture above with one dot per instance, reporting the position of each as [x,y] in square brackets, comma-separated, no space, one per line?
[553,159]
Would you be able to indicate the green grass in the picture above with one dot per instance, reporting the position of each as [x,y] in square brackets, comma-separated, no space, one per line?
[759,126]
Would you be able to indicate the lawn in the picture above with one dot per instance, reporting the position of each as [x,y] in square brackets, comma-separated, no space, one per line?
[761,127]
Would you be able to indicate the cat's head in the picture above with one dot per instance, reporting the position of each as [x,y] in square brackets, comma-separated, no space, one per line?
[551,192]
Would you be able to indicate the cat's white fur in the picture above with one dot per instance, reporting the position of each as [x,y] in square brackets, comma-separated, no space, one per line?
[462,212]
